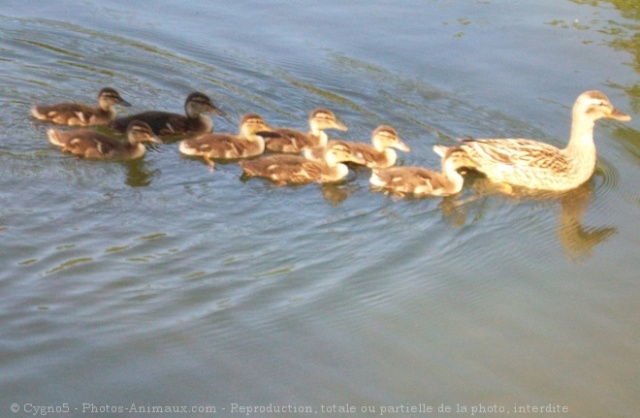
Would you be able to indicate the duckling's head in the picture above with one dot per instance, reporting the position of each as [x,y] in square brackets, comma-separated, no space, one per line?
[108,97]
[321,119]
[138,131]
[384,137]
[340,151]
[596,105]
[252,124]
[455,158]
[198,103]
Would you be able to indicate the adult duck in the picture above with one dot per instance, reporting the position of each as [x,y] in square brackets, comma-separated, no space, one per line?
[540,166]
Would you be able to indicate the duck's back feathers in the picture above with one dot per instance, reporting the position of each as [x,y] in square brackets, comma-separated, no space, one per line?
[166,123]
[79,114]
[284,169]
[409,180]
[85,143]
[291,141]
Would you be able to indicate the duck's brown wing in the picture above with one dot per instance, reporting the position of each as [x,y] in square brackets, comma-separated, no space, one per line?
[523,153]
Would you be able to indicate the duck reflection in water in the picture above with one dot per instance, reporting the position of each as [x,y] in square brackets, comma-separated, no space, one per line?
[577,239]
[137,173]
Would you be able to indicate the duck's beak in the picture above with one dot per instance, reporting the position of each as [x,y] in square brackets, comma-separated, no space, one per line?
[400,145]
[217,111]
[618,115]
[339,126]
[154,139]
[124,103]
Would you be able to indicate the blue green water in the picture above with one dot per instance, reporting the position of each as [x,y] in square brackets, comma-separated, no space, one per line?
[157,282]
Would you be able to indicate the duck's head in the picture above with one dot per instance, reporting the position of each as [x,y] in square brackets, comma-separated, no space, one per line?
[321,119]
[198,103]
[108,97]
[340,151]
[384,137]
[252,124]
[596,105]
[138,131]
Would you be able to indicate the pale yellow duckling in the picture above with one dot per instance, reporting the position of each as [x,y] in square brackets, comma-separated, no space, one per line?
[194,122]
[379,155]
[79,114]
[540,166]
[249,142]
[421,181]
[295,169]
[293,142]
[91,144]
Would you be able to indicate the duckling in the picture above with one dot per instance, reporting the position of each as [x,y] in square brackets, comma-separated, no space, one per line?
[421,181]
[540,166]
[91,144]
[380,155]
[78,114]
[165,123]
[249,143]
[295,169]
[293,142]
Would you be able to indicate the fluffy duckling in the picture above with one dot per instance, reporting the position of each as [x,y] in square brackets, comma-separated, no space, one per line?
[295,169]
[164,123]
[79,114]
[249,143]
[379,155]
[91,144]
[293,142]
[421,181]
[540,166]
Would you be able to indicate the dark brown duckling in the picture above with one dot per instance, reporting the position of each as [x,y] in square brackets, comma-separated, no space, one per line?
[91,144]
[164,123]
[79,114]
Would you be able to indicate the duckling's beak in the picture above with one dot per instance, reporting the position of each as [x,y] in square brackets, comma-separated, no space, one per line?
[124,103]
[400,145]
[154,139]
[217,111]
[618,115]
[339,126]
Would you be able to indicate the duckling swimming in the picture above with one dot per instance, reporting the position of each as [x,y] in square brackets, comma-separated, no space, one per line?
[79,114]
[537,165]
[295,169]
[164,123]
[421,181]
[91,144]
[293,142]
[378,155]
[249,143]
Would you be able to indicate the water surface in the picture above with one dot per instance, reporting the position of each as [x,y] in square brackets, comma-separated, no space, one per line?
[157,282]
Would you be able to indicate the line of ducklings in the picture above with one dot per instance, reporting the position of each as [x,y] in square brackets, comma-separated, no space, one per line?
[304,157]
